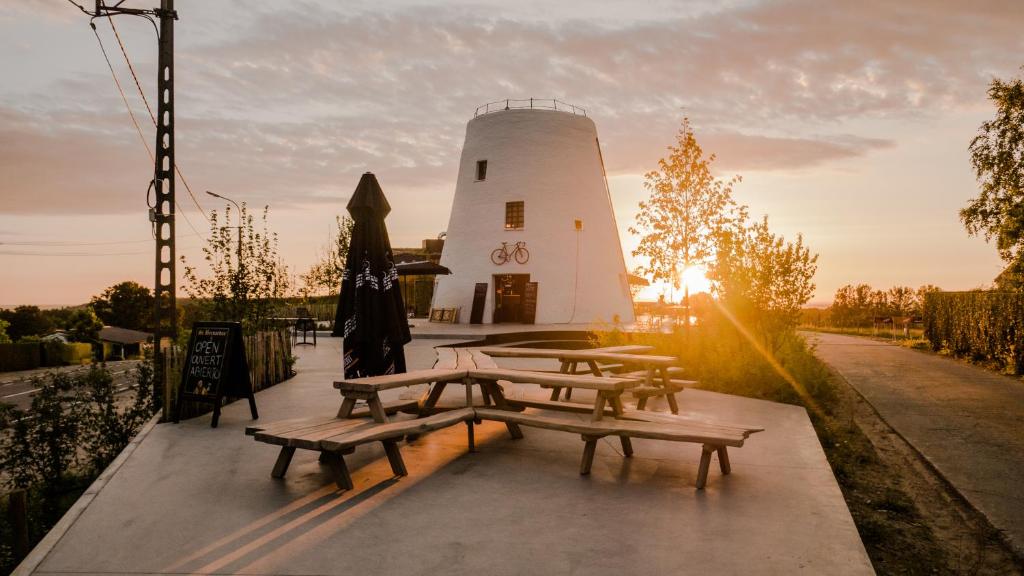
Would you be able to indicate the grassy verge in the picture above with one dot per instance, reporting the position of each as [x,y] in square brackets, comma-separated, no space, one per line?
[901,534]
[916,340]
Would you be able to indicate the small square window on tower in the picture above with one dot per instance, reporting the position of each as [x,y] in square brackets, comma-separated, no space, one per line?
[515,213]
[481,170]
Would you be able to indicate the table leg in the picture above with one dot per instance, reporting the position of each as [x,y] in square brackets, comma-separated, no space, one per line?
[666,383]
[599,403]
[427,404]
[617,408]
[284,458]
[377,409]
[589,448]
[340,471]
[346,407]
[499,401]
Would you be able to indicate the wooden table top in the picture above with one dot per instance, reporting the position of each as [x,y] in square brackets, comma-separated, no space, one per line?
[580,355]
[555,379]
[389,381]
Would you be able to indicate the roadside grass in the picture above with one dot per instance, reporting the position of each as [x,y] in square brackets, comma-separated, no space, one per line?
[896,536]
[916,340]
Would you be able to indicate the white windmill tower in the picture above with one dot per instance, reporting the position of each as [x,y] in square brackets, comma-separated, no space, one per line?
[532,234]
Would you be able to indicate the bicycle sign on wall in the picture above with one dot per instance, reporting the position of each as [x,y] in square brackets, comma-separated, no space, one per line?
[506,253]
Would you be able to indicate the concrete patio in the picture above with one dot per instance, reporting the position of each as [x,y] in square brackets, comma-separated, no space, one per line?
[190,499]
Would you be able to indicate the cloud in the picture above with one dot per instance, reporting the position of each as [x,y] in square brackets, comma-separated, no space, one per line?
[295,102]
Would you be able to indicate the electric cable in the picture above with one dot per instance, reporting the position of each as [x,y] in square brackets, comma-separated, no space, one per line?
[152,116]
[142,137]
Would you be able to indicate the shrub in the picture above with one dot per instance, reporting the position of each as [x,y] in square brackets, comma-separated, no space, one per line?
[20,356]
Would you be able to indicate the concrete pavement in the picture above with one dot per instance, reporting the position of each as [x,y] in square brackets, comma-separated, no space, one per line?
[965,420]
[190,499]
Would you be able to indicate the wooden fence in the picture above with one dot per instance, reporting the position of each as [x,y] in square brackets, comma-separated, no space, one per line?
[268,352]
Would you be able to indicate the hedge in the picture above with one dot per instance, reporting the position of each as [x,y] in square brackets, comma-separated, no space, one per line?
[986,326]
[30,355]
[24,356]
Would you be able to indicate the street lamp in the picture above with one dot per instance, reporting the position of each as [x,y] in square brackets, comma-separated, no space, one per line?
[239,208]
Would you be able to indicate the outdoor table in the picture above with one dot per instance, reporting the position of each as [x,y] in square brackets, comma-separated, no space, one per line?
[369,389]
[652,366]
[308,324]
[609,391]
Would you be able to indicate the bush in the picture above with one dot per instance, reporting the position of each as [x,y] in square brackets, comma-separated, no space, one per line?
[21,356]
[76,427]
[981,326]
[721,358]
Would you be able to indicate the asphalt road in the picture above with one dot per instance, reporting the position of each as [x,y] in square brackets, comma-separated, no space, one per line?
[17,388]
[965,420]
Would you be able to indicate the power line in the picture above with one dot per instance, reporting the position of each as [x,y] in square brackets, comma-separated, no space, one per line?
[62,243]
[124,98]
[152,117]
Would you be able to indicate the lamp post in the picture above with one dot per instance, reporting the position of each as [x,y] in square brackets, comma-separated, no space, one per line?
[239,208]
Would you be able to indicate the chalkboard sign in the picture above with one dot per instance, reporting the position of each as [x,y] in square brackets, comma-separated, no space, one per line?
[215,367]
[530,303]
[476,315]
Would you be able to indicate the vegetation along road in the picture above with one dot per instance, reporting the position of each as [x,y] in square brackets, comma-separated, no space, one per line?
[963,419]
[17,388]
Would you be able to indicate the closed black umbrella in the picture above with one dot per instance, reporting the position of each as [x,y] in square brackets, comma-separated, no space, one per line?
[371,314]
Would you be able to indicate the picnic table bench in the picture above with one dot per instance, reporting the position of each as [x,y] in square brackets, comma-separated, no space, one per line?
[334,437]
[658,372]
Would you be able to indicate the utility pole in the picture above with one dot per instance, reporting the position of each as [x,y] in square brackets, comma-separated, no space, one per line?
[165,314]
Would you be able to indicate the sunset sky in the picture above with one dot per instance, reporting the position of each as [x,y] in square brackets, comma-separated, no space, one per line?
[849,123]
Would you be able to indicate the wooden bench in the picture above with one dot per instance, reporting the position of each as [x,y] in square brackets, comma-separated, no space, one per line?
[712,438]
[335,437]
[657,370]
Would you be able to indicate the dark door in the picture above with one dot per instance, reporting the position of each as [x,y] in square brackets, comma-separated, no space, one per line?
[508,297]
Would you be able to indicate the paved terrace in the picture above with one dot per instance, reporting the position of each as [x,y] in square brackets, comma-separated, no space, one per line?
[190,499]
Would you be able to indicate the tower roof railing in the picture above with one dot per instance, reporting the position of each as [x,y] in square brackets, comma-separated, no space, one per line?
[529,103]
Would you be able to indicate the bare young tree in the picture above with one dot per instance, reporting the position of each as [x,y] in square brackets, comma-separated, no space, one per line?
[687,209]
[247,279]
[325,275]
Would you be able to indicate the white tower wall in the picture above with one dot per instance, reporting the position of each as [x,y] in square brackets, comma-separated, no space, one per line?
[550,160]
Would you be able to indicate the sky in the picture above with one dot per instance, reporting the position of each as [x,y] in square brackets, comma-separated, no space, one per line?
[848,121]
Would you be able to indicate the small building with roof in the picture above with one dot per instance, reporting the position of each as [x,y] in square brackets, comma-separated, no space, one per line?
[124,343]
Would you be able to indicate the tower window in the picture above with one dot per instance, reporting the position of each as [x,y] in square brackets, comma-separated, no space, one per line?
[481,170]
[515,213]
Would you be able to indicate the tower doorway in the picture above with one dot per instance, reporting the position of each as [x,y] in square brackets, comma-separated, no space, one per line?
[508,297]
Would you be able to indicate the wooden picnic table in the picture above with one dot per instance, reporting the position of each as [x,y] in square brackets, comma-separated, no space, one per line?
[655,370]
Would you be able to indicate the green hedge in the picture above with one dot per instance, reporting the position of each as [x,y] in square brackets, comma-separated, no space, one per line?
[30,355]
[24,356]
[978,325]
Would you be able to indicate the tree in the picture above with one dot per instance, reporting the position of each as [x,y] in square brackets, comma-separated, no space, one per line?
[852,305]
[4,338]
[687,210]
[919,299]
[763,279]
[126,305]
[84,326]
[325,275]
[997,156]
[902,300]
[26,321]
[246,281]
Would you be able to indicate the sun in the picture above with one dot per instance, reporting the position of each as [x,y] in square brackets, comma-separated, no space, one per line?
[695,278]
